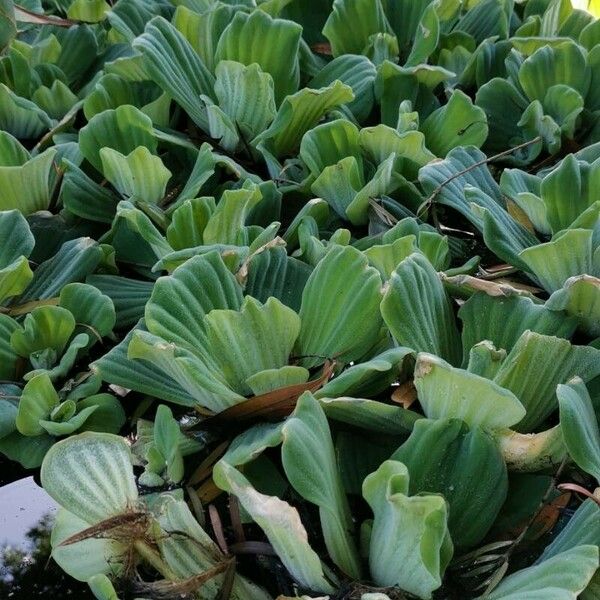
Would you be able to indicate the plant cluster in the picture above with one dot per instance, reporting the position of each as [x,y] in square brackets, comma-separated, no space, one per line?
[303,296]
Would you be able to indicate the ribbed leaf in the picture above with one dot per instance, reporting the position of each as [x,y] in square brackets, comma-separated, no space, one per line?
[309,462]
[116,368]
[21,117]
[198,374]
[84,197]
[139,176]
[246,96]
[568,191]
[75,259]
[453,191]
[255,338]
[341,280]
[562,577]
[173,64]
[179,303]
[536,365]
[44,327]
[410,546]
[457,123]
[463,465]
[35,405]
[580,298]
[85,559]
[298,113]
[371,415]
[549,66]
[90,308]
[123,129]
[328,143]
[417,311]
[193,551]
[26,187]
[271,43]
[129,296]
[502,320]
[8,357]
[579,426]
[566,256]
[583,528]
[189,221]
[356,71]
[449,393]
[351,23]
[274,273]
[91,475]
[369,378]
[281,524]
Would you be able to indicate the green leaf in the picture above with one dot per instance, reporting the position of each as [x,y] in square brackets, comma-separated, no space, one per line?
[73,262]
[193,552]
[579,426]
[172,63]
[271,43]
[166,439]
[369,378]
[246,96]
[328,143]
[309,462]
[274,273]
[341,279]
[274,379]
[140,176]
[410,546]
[87,559]
[350,25]
[123,129]
[359,73]
[566,256]
[108,414]
[563,576]
[255,338]
[549,66]
[91,309]
[8,357]
[571,179]
[25,186]
[371,415]
[417,311]
[580,298]
[44,327]
[536,365]
[465,466]
[8,24]
[297,114]
[91,475]
[281,524]
[449,393]
[35,405]
[21,117]
[504,318]
[179,303]
[457,123]
[83,197]
[129,296]
[116,368]
[583,528]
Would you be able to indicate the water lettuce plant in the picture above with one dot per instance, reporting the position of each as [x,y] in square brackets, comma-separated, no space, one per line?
[302,298]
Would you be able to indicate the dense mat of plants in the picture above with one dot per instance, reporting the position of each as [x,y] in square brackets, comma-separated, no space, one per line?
[301,297]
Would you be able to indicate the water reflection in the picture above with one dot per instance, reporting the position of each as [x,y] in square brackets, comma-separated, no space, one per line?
[26,570]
